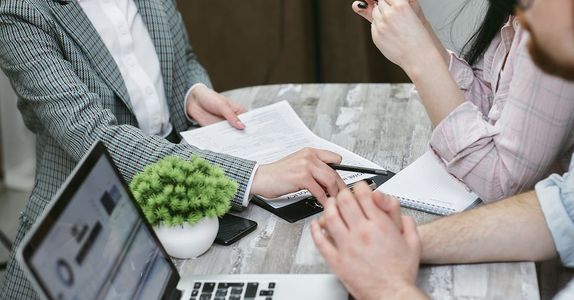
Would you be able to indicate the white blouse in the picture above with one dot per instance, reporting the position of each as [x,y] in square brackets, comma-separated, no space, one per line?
[124,33]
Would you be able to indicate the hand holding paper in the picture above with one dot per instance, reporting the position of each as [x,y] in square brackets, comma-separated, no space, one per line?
[206,106]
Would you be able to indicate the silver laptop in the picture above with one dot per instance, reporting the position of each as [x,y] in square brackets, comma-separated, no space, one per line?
[93,243]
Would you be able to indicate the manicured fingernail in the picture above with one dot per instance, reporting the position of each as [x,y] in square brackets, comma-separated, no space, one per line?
[362,5]
[240,124]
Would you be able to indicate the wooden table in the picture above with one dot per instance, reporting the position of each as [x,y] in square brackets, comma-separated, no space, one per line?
[383,123]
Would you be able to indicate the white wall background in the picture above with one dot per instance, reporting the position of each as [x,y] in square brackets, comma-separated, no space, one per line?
[454,30]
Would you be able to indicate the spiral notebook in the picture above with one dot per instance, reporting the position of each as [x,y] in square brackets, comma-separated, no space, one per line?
[425,185]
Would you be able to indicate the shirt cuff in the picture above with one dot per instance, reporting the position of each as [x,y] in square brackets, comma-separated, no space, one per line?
[556,198]
[247,196]
[461,71]
[186,99]
[461,132]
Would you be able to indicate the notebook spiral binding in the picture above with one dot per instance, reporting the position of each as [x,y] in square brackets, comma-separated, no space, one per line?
[426,207]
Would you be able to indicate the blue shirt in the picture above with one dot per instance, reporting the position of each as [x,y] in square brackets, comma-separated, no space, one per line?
[556,198]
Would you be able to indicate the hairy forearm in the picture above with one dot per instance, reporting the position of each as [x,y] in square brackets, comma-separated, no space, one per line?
[512,229]
[401,292]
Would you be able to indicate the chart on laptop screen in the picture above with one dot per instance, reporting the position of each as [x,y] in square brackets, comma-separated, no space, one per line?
[99,248]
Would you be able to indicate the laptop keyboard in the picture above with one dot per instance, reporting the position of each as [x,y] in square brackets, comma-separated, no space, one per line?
[262,290]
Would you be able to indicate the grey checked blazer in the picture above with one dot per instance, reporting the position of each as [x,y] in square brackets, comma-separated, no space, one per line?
[71,94]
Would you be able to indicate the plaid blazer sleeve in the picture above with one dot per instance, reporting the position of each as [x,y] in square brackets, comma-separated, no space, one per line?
[56,103]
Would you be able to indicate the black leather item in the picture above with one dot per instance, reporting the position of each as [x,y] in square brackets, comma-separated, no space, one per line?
[310,206]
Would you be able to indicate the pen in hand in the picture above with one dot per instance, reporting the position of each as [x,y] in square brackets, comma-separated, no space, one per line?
[358,169]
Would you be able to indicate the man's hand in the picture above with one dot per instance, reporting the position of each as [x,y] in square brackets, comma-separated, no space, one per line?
[371,255]
[207,107]
[304,169]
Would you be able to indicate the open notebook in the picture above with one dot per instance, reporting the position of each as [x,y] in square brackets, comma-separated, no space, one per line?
[425,185]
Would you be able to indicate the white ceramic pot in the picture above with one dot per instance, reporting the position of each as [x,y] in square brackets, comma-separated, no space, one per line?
[188,241]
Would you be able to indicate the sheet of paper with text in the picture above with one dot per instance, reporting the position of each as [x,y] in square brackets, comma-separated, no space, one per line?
[272,132]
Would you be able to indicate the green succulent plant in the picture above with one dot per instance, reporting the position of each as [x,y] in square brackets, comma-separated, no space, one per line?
[174,191]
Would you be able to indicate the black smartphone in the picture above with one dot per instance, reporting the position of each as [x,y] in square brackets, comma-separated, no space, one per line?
[232,228]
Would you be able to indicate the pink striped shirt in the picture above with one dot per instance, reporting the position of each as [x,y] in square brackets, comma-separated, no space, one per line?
[516,125]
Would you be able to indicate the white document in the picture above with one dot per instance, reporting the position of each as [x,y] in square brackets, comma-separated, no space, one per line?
[427,186]
[272,132]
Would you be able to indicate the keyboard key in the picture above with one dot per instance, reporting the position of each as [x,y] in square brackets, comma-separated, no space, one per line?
[236,291]
[219,298]
[192,298]
[234,297]
[208,287]
[224,285]
[268,298]
[205,297]
[271,285]
[251,291]
[265,293]
[221,293]
[197,285]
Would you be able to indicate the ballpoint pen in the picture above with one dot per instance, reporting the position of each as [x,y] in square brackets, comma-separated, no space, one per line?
[358,169]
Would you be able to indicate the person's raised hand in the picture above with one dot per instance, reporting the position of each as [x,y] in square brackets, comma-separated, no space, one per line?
[365,9]
[206,106]
[371,255]
[400,35]
[304,169]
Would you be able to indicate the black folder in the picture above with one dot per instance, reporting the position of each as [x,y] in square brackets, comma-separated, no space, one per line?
[310,206]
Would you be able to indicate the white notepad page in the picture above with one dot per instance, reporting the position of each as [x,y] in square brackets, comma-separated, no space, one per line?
[427,186]
[272,132]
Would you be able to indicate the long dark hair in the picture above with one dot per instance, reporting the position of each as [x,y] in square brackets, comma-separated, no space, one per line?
[496,15]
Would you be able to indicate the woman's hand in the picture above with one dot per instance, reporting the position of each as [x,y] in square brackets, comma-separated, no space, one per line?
[207,107]
[400,35]
[367,11]
[364,11]
[304,169]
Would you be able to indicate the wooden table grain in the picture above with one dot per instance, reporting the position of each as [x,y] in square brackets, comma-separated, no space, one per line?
[385,124]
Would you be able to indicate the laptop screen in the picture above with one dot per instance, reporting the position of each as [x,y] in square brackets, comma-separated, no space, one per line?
[94,244]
